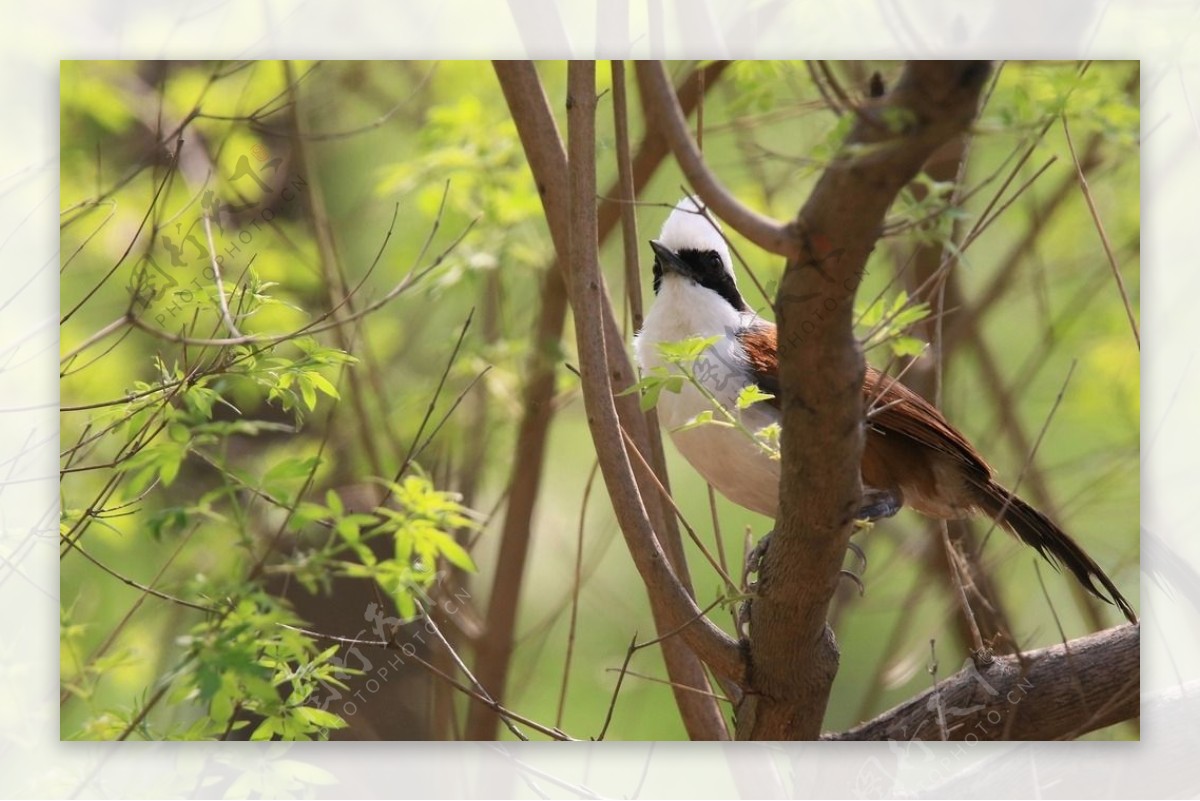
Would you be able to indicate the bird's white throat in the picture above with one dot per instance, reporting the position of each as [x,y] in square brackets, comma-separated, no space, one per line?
[681,310]
[726,458]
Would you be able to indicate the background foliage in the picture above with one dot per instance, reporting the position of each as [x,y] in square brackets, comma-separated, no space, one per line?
[315,456]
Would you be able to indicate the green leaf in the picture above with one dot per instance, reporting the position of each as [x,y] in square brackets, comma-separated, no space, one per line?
[652,385]
[455,554]
[199,400]
[320,718]
[266,730]
[403,598]
[653,391]
[307,512]
[768,437]
[705,418]
[170,469]
[687,350]
[290,469]
[906,346]
[334,502]
[307,390]
[750,395]
[871,315]
[323,384]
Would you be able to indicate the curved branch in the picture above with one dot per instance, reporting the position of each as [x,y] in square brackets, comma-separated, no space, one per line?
[665,579]
[717,648]
[495,647]
[663,109]
[1061,693]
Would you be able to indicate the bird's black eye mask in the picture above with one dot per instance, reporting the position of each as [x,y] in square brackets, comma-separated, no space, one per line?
[706,269]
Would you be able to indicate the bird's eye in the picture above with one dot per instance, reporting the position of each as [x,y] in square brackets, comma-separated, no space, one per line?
[714,260]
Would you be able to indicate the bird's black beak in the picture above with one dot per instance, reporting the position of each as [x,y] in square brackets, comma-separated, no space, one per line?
[669,260]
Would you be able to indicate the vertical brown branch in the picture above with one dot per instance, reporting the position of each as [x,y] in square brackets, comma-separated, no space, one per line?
[670,599]
[625,195]
[335,279]
[701,715]
[793,654]
[497,645]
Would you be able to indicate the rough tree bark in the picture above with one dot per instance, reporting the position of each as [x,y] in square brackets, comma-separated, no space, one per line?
[793,656]
[1055,693]
[1080,685]
[606,369]
[495,647]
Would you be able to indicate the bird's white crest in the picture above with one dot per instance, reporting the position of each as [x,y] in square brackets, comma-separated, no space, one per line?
[689,228]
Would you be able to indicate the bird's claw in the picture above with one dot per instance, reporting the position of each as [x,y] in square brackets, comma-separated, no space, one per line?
[756,555]
[878,504]
[754,558]
[856,579]
[857,550]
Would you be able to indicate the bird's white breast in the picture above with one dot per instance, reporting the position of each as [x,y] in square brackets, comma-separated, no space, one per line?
[727,458]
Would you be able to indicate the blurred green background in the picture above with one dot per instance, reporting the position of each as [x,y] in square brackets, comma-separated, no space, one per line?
[351,145]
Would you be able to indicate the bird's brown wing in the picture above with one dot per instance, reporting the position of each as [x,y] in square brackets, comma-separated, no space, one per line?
[911,451]
[894,409]
[759,342]
[899,421]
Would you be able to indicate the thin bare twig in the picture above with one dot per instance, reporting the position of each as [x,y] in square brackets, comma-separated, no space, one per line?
[437,631]
[612,704]
[74,545]
[437,392]
[657,680]
[625,190]
[215,263]
[576,582]
[133,239]
[1062,391]
[1108,251]
[716,565]
[466,690]
[960,577]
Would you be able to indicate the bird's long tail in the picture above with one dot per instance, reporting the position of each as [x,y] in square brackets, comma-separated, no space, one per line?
[1037,530]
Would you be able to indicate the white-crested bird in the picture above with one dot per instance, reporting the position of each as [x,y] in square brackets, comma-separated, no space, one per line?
[912,455]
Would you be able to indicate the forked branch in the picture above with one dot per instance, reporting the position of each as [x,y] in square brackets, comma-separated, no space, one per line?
[793,654]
